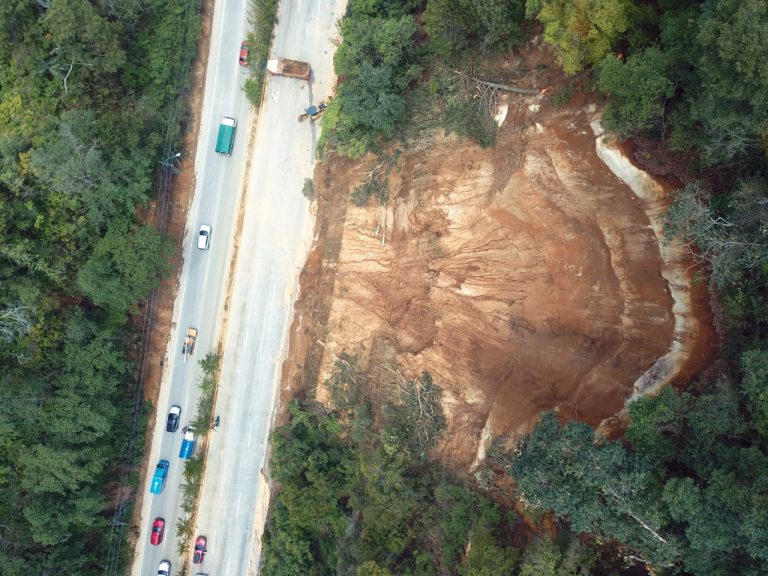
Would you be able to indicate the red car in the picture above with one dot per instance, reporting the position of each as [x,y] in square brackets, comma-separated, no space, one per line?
[199,554]
[244,54]
[158,529]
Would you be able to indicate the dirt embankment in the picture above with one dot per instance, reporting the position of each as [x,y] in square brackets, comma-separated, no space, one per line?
[524,278]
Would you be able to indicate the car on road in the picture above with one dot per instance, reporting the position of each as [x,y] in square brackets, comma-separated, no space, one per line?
[158,529]
[174,414]
[187,443]
[204,237]
[164,569]
[244,53]
[189,342]
[199,553]
[158,479]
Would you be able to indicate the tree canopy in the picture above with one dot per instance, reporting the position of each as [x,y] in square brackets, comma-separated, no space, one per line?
[86,95]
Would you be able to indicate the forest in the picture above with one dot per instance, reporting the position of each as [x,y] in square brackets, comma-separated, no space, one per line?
[684,490]
[91,105]
[90,101]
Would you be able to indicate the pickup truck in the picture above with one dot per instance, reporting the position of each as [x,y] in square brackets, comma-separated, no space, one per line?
[158,479]
[187,444]
[290,68]
[188,348]
[226,138]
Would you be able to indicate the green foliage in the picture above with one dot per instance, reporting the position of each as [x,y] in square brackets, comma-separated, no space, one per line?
[468,117]
[543,557]
[695,480]
[585,31]
[755,388]
[86,101]
[454,26]
[731,49]
[390,8]
[308,190]
[377,61]
[207,385]
[263,18]
[416,422]
[598,486]
[639,88]
[730,237]
[487,558]
[125,265]
[355,500]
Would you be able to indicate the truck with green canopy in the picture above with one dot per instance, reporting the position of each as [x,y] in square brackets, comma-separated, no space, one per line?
[226,139]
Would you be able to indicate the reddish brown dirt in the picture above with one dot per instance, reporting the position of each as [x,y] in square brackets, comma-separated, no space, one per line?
[523,278]
[182,192]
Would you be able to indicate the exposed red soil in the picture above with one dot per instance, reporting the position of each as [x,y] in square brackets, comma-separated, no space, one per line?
[525,277]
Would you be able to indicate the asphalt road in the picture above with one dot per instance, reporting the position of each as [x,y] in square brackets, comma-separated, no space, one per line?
[201,289]
[275,238]
[274,241]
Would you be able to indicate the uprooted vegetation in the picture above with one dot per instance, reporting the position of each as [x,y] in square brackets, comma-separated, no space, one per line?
[356,494]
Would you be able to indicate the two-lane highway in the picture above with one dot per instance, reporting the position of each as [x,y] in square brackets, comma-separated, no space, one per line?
[203,276]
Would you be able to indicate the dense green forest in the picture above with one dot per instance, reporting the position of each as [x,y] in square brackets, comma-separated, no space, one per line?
[89,104]
[685,491]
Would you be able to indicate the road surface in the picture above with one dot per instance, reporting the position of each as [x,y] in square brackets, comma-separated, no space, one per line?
[201,289]
[274,241]
[276,236]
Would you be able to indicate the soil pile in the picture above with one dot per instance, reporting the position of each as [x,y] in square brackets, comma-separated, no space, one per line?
[524,278]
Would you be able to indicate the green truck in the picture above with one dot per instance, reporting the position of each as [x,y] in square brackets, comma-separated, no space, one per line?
[226,140]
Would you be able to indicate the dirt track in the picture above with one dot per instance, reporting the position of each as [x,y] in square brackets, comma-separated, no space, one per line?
[525,277]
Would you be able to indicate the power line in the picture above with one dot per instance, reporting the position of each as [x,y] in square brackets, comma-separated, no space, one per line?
[176,108]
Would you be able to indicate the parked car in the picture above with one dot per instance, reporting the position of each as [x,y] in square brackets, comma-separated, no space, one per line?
[173,418]
[244,53]
[199,554]
[164,569]
[204,237]
[158,529]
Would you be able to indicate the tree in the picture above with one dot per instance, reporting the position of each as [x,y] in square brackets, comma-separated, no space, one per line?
[730,238]
[81,39]
[14,322]
[585,31]
[456,25]
[639,89]
[541,558]
[755,388]
[732,44]
[368,107]
[88,188]
[370,568]
[598,486]
[487,558]
[126,264]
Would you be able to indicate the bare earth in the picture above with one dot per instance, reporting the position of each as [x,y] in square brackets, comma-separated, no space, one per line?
[524,278]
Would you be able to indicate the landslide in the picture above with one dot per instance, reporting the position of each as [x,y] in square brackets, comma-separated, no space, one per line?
[523,277]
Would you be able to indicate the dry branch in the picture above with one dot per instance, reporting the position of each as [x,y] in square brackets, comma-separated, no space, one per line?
[498,86]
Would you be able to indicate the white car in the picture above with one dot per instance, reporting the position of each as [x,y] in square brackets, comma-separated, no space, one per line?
[164,569]
[204,237]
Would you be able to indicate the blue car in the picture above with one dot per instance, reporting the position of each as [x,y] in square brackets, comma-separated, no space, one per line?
[158,480]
